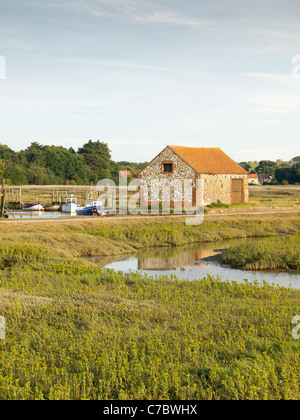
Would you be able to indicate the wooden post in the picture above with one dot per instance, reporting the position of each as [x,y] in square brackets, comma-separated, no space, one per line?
[2,206]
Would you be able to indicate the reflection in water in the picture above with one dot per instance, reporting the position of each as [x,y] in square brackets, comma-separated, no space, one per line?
[37,214]
[168,258]
[186,262]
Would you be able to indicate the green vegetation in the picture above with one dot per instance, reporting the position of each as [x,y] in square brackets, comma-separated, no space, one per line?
[217,205]
[115,237]
[283,173]
[288,175]
[172,233]
[77,331]
[55,165]
[2,169]
[281,252]
[17,255]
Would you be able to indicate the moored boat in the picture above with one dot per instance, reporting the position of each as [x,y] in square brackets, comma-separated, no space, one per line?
[71,205]
[52,207]
[33,207]
[91,208]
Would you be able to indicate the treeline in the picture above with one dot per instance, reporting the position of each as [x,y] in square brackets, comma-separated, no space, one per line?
[57,165]
[281,172]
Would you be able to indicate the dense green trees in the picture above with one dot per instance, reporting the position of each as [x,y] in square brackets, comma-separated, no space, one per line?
[266,167]
[2,169]
[290,174]
[96,157]
[281,172]
[47,165]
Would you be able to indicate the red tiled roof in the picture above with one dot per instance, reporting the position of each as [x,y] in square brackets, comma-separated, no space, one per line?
[208,160]
[125,173]
[252,176]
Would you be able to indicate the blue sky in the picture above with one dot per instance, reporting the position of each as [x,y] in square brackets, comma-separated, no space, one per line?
[142,74]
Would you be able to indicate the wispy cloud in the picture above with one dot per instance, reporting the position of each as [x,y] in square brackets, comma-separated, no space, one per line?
[134,10]
[130,65]
[284,80]
[274,93]
[169,18]
[274,103]
[261,123]
[274,49]
[282,35]
[273,42]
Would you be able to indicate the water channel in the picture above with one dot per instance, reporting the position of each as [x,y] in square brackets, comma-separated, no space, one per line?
[192,262]
[18,214]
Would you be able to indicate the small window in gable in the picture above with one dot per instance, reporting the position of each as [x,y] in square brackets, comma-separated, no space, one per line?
[167,167]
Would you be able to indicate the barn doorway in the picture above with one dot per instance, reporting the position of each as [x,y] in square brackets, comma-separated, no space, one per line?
[237,191]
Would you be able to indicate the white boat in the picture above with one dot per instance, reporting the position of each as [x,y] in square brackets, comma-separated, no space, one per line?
[70,205]
[33,207]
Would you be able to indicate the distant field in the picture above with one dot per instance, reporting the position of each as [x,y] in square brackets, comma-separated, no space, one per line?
[275,195]
[254,165]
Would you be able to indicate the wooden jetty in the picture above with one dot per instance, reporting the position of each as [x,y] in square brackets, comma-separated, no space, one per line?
[14,198]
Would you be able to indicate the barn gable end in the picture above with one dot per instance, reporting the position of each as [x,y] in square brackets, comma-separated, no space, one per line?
[224,179]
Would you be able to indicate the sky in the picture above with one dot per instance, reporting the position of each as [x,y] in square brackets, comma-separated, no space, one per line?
[143,74]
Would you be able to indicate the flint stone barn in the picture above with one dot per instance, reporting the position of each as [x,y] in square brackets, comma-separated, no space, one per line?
[224,179]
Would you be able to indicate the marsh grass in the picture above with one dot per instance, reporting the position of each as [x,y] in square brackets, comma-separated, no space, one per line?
[98,334]
[107,237]
[173,233]
[76,331]
[21,254]
[281,252]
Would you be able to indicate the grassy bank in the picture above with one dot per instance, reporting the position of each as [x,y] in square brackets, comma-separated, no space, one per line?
[107,237]
[273,253]
[76,331]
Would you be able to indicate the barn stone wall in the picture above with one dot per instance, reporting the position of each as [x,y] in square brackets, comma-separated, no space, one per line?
[218,187]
